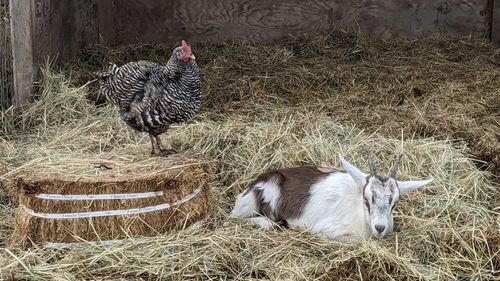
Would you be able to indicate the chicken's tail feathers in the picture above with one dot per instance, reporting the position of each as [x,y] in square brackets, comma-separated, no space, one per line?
[112,69]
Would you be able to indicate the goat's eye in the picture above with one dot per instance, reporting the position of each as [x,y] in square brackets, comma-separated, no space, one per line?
[390,200]
[373,200]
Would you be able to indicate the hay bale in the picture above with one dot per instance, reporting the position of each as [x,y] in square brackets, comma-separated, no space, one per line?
[70,200]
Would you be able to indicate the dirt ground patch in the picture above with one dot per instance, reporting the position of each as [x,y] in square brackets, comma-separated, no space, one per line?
[424,88]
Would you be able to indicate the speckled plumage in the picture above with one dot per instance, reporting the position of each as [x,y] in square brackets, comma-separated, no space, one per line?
[150,96]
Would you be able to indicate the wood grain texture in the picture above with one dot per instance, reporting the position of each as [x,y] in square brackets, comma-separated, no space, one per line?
[22,51]
[62,28]
[44,29]
[56,28]
[413,18]
[123,21]
[6,73]
[495,22]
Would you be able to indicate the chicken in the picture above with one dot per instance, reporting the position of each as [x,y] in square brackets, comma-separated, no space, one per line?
[151,97]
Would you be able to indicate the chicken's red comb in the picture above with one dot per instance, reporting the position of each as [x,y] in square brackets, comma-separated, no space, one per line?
[185,45]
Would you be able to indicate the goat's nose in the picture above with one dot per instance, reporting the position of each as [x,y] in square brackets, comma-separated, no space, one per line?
[380,228]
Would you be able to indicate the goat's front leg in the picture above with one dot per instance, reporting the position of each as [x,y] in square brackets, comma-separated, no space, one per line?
[348,238]
[263,222]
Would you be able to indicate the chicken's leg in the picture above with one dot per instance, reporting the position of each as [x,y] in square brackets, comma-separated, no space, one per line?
[154,143]
[158,149]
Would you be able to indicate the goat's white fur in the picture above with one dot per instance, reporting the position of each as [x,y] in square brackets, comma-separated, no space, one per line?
[335,208]
[245,207]
[263,222]
[270,192]
[332,208]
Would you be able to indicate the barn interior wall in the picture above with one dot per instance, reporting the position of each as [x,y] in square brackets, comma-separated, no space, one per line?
[495,21]
[6,74]
[59,29]
[62,28]
[122,21]
[47,29]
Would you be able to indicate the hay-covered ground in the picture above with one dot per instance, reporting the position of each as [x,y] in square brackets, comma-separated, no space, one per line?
[420,88]
[270,106]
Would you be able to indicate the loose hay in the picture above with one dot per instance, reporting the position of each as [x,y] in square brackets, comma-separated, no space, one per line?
[178,178]
[432,87]
[448,231]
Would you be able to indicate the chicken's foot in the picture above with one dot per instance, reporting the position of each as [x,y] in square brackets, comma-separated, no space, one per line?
[158,149]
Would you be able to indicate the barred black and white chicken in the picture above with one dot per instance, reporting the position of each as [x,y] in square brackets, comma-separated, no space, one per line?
[151,97]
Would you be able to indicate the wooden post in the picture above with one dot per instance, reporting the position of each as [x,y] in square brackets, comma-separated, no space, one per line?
[22,51]
[495,22]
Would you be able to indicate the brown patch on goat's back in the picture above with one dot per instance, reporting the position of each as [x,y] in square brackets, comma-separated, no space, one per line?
[294,184]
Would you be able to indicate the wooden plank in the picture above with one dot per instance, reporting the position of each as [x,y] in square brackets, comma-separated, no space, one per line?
[62,28]
[22,51]
[6,78]
[106,21]
[123,22]
[43,29]
[413,18]
[495,22]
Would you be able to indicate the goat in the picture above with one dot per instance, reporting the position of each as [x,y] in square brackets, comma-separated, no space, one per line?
[336,204]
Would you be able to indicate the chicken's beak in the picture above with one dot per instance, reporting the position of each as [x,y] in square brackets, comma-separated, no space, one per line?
[192,57]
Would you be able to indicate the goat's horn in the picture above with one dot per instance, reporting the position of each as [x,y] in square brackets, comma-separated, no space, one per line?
[394,170]
[371,163]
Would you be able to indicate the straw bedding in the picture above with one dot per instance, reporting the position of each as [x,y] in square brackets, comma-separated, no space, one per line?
[254,121]
[424,88]
[176,177]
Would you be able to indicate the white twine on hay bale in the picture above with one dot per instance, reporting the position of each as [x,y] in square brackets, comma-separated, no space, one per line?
[73,197]
[109,213]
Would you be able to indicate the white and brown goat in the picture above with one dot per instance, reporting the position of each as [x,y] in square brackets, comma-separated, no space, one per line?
[337,204]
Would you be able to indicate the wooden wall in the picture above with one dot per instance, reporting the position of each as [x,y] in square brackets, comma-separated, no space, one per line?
[56,28]
[123,21]
[495,21]
[62,28]
[43,29]
[22,51]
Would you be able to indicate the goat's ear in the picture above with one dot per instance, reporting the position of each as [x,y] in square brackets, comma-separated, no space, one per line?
[358,176]
[407,186]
